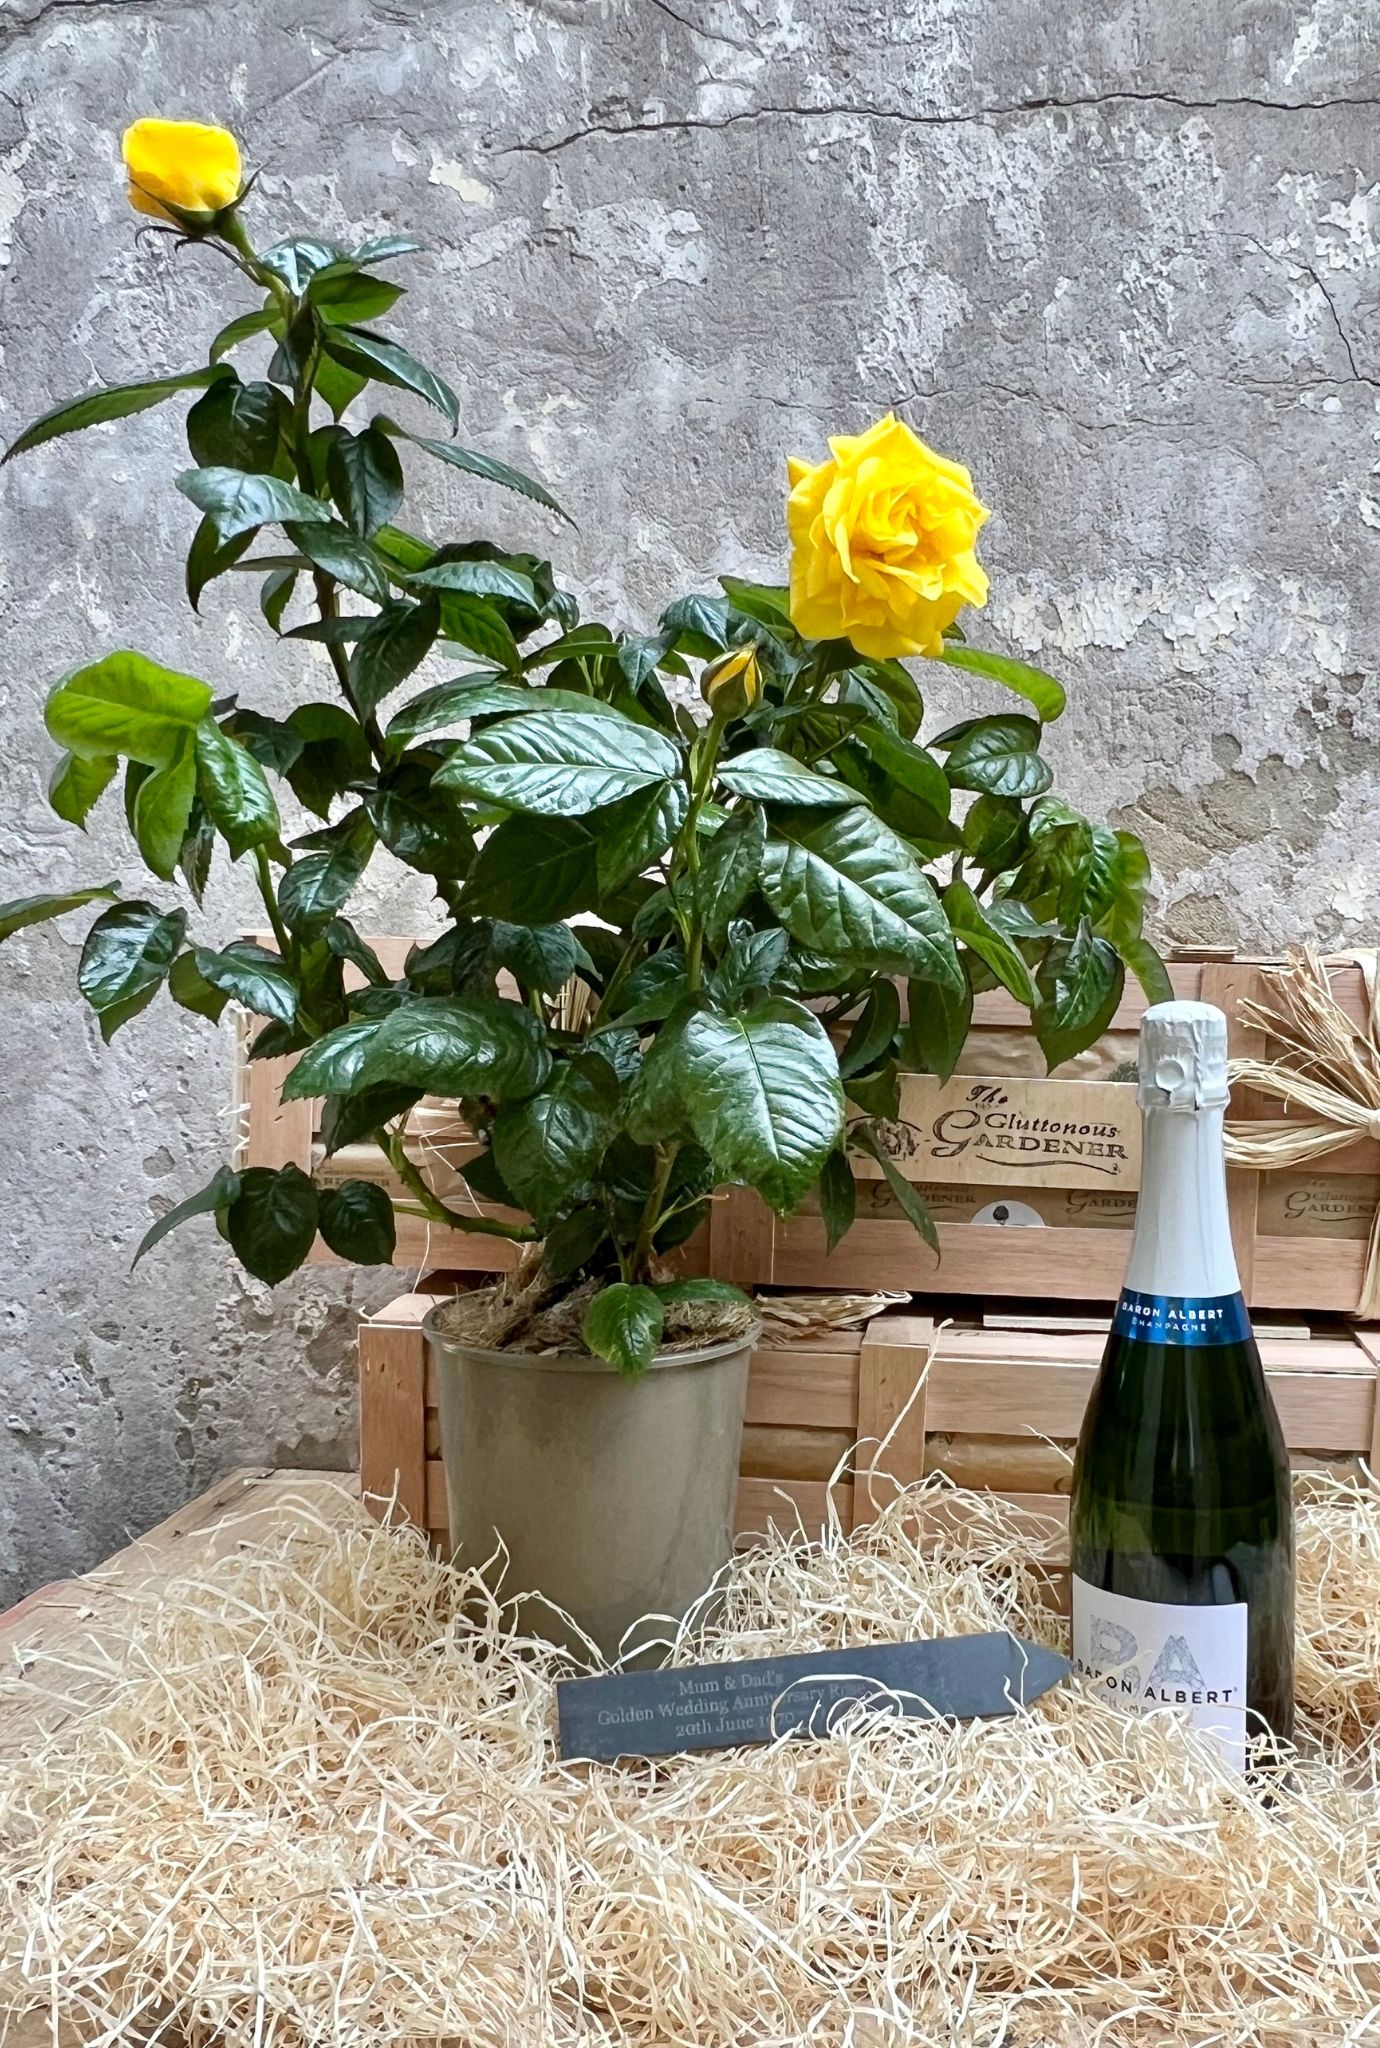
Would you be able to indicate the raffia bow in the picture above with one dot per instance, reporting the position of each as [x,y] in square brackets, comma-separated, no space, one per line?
[1328,1068]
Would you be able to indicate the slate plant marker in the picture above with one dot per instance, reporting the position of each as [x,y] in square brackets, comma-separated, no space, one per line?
[759,1699]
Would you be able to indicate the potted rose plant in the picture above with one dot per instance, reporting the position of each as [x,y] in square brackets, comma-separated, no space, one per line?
[705,890]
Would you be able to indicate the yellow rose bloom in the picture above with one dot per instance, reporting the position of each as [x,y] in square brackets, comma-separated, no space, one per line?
[882,539]
[182,165]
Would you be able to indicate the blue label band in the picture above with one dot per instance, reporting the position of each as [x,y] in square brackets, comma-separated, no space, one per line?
[1181,1319]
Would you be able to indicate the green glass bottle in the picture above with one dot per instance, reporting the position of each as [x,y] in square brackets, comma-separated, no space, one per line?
[1181,1520]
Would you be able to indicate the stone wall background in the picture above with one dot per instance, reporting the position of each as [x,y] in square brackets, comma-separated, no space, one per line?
[1119,255]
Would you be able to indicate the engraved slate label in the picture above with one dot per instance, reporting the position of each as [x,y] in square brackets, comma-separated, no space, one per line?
[722,1706]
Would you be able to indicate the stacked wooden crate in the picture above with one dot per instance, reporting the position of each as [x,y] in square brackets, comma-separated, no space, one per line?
[996,1409]
[1032,1180]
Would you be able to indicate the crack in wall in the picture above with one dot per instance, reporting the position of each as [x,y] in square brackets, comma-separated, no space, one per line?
[971,117]
[17,30]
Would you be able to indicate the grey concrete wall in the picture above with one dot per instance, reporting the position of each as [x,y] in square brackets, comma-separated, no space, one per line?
[1117,254]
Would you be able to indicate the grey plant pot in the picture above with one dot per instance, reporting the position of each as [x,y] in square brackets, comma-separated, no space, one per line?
[613,1499]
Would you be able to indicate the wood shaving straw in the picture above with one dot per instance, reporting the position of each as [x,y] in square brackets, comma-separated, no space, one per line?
[794,1316]
[1325,1071]
[319,1804]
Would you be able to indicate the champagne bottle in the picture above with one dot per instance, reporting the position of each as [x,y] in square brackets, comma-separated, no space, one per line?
[1181,1521]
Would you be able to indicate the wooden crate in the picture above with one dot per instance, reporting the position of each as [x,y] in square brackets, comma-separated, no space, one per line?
[999,1144]
[999,1411]
[1001,1137]
[808,1404]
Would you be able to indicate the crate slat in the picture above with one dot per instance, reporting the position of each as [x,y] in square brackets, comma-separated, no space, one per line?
[995,1410]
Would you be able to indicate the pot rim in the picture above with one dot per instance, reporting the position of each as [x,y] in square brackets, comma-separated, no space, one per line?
[450,1348]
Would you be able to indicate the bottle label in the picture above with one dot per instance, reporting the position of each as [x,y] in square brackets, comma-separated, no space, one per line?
[1181,1318]
[1147,1654]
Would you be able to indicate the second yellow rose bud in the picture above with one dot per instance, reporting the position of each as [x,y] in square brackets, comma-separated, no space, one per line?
[733,683]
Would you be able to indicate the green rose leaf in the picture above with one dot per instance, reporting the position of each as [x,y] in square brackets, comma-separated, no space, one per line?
[109,402]
[730,865]
[1080,982]
[846,885]
[393,643]
[548,1147]
[239,426]
[23,911]
[125,960]
[332,753]
[235,791]
[761,1093]
[218,1193]
[535,871]
[421,824]
[208,558]
[475,464]
[253,976]
[366,481]
[873,1035]
[482,696]
[332,1065]
[313,890]
[384,249]
[374,357]
[638,830]
[863,1138]
[298,259]
[357,1222]
[484,1048]
[126,704]
[477,579]
[768,603]
[1148,968]
[838,1198]
[909,766]
[343,296]
[623,1324]
[770,777]
[271,1223]
[542,957]
[340,553]
[1039,689]
[698,624]
[994,831]
[998,755]
[243,328]
[162,809]
[234,502]
[554,766]
[190,989]
[937,1027]
[971,924]
[77,784]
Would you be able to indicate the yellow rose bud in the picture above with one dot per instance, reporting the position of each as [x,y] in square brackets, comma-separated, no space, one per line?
[882,539]
[180,168]
[730,685]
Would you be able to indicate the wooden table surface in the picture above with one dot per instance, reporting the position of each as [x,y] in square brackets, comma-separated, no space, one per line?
[74,1622]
